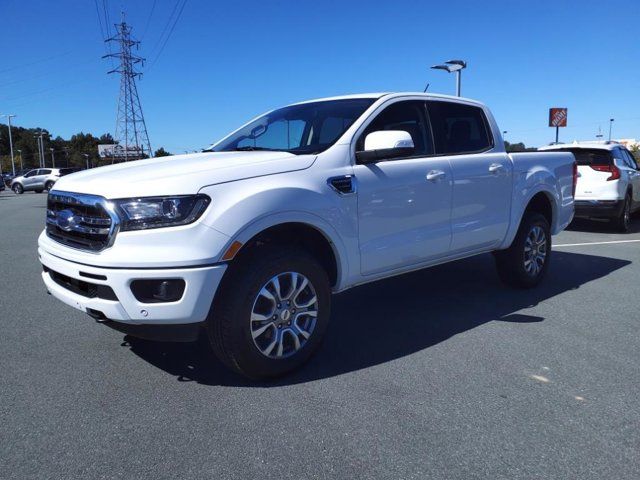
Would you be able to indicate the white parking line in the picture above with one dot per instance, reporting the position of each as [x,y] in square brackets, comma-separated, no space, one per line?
[594,243]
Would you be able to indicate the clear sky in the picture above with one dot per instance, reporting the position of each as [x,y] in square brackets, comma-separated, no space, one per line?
[227,61]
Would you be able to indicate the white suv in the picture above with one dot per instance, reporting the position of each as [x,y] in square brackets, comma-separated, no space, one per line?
[608,181]
[39,179]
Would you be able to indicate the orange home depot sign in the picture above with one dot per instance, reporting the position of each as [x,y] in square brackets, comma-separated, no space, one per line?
[557,117]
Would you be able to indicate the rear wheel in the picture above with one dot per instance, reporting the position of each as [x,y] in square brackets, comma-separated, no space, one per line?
[49,185]
[623,222]
[525,263]
[271,312]
[17,189]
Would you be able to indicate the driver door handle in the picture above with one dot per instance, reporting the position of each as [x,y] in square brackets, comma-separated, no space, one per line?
[435,175]
[496,168]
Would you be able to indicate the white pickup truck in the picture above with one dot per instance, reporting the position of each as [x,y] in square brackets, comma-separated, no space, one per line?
[249,238]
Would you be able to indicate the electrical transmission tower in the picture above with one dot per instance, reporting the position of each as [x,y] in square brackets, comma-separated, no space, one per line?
[131,129]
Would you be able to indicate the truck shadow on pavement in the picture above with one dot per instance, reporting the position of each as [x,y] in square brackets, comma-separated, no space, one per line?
[386,320]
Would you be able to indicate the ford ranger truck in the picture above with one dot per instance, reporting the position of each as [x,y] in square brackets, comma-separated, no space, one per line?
[248,239]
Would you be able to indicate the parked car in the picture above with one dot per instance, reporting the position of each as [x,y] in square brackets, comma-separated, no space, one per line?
[250,238]
[39,179]
[608,181]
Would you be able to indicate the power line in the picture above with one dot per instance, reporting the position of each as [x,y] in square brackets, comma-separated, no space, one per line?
[168,35]
[35,62]
[153,7]
[164,29]
[104,37]
[106,17]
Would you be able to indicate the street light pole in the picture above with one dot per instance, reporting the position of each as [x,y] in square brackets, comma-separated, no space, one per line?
[38,138]
[454,66]
[13,165]
[610,125]
[53,158]
[86,157]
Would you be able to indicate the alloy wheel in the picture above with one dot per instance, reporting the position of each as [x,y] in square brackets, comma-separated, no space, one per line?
[284,315]
[535,251]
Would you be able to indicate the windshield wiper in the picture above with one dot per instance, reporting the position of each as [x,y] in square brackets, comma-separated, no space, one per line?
[253,149]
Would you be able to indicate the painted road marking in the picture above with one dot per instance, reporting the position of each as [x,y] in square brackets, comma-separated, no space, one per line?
[594,243]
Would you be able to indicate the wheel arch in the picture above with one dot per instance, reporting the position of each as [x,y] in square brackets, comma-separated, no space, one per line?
[312,235]
[542,201]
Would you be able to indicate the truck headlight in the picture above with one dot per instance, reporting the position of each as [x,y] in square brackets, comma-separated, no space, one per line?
[158,212]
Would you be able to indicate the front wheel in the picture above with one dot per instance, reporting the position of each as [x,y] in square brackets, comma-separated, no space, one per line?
[526,261]
[17,189]
[271,312]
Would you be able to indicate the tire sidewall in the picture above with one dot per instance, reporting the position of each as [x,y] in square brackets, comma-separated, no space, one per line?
[625,222]
[535,220]
[242,290]
[18,189]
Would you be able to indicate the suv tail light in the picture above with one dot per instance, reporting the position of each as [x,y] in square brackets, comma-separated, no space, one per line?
[575,177]
[612,169]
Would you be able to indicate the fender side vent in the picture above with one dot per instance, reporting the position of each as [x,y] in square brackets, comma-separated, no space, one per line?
[344,185]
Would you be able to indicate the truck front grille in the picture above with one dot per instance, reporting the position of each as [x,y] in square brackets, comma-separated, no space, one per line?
[80,221]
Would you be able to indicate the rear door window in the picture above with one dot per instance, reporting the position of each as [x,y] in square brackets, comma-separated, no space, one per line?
[459,128]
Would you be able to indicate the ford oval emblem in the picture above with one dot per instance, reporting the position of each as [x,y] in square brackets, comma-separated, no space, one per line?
[66,220]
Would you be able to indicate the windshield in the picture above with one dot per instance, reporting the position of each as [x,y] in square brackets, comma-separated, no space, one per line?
[305,128]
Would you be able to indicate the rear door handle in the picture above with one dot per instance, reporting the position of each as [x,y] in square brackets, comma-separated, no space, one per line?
[435,175]
[496,168]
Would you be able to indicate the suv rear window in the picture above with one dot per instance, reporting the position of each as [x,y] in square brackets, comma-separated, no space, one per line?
[588,156]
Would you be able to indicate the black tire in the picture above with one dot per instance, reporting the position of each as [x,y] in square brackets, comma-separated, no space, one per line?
[49,185]
[17,189]
[511,263]
[229,324]
[623,222]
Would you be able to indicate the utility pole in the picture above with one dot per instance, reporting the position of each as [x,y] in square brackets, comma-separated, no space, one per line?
[53,158]
[131,129]
[86,157]
[9,117]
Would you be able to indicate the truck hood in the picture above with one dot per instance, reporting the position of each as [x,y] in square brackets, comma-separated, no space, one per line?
[179,174]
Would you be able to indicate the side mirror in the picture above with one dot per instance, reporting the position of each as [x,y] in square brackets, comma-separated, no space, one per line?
[385,144]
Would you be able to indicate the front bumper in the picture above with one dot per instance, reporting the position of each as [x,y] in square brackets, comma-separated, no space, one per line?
[598,208]
[201,284]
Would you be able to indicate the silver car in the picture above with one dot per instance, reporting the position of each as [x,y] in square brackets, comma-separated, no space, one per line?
[39,179]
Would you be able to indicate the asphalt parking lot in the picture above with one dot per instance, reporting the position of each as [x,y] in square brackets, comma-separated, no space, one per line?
[442,373]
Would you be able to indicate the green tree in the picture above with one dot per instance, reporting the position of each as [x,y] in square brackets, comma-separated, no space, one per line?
[517,147]
[161,152]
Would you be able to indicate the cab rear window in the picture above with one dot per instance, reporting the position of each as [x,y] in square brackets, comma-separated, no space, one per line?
[588,157]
